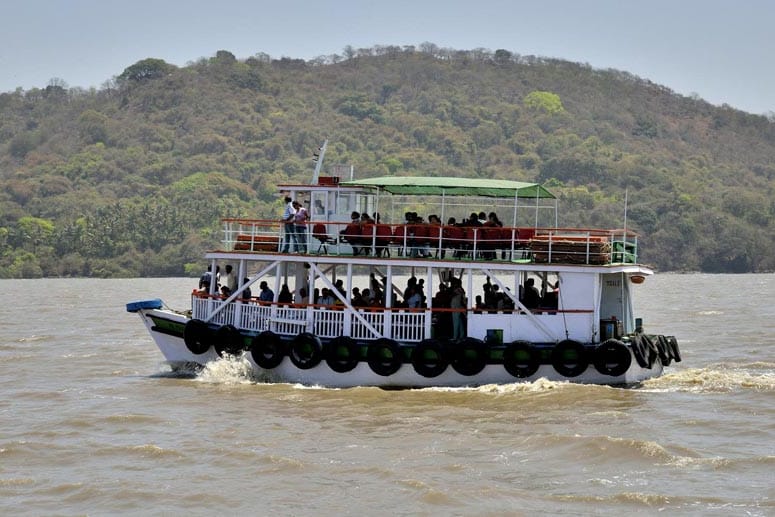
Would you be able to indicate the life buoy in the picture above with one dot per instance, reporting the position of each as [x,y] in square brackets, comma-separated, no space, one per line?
[228,340]
[664,351]
[469,356]
[384,357]
[267,350]
[197,336]
[341,354]
[305,351]
[612,357]
[640,350]
[569,358]
[673,342]
[521,359]
[429,358]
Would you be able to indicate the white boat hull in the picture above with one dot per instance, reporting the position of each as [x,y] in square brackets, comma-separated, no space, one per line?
[177,355]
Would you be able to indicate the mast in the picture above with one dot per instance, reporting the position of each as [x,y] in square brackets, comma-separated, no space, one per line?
[318,159]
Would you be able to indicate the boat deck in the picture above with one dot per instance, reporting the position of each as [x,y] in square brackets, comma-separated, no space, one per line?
[419,241]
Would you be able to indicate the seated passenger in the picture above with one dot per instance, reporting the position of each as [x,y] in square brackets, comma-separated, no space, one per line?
[530,296]
[352,232]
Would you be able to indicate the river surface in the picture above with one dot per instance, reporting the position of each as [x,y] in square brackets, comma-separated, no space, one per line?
[93,423]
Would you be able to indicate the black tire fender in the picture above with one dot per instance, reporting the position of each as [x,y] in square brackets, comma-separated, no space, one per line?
[665,355]
[569,358]
[305,351]
[521,359]
[197,336]
[384,357]
[674,351]
[469,356]
[612,357]
[341,354]
[267,350]
[640,350]
[228,340]
[429,358]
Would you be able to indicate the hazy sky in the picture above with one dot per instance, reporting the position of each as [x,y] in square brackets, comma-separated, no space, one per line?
[724,51]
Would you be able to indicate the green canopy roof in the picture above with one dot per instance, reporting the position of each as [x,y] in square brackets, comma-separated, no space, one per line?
[429,186]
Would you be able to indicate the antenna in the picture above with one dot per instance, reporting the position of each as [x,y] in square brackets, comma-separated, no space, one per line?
[317,157]
[625,213]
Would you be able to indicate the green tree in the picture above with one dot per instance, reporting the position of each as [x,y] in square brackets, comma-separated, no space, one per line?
[542,101]
[146,69]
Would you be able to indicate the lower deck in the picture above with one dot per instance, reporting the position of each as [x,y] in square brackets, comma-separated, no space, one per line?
[409,301]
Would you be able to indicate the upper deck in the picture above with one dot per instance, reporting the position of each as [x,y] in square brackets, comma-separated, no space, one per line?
[516,245]
[528,233]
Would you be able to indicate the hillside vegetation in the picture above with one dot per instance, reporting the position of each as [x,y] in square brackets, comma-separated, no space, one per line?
[132,179]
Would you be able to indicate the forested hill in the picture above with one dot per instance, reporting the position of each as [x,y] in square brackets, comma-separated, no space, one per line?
[132,179]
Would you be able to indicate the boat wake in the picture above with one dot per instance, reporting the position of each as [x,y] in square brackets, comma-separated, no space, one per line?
[229,369]
[539,385]
[717,378]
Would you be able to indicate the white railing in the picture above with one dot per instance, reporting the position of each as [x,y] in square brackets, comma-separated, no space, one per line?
[408,326]
[401,325]
[360,331]
[552,245]
[329,323]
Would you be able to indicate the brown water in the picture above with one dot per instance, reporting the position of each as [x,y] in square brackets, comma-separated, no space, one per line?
[92,423]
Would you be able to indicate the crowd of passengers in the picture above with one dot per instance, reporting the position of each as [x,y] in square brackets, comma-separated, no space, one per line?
[420,238]
[450,295]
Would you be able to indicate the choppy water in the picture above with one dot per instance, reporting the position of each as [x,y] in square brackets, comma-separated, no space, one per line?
[92,423]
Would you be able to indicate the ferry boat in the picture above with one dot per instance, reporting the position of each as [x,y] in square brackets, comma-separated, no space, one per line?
[396,299]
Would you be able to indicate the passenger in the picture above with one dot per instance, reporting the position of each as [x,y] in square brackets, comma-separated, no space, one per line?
[530,296]
[452,238]
[366,233]
[302,297]
[207,278]
[326,297]
[497,298]
[225,292]
[410,284]
[552,298]
[458,302]
[339,286]
[375,286]
[230,279]
[285,295]
[443,319]
[290,228]
[247,294]
[352,232]
[300,227]
[414,299]
[421,291]
[356,300]
[490,301]
[266,294]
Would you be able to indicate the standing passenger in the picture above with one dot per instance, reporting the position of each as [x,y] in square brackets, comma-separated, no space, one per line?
[290,228]
[300,223]
[458,302]
[230,279]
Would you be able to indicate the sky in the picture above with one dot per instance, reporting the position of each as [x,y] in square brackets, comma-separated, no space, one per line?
[721,50]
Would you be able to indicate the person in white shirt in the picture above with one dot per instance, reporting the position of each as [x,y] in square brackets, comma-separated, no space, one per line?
[290,228]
